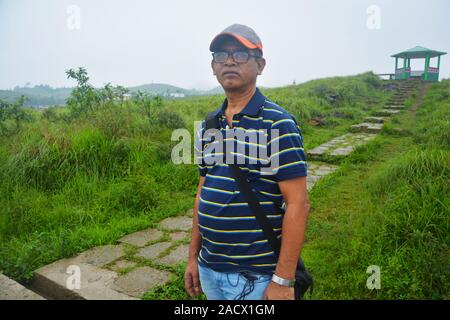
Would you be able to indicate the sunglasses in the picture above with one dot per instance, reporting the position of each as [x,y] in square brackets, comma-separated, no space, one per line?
[238,56]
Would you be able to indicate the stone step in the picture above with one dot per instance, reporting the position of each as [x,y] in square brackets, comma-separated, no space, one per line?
[394,103]
[12,290]
[395,106]
[387,112]
[340,146]
[316,171]
[402,97]
[369,127]
[110,273]
[396,100]
[82,277]
[374,119]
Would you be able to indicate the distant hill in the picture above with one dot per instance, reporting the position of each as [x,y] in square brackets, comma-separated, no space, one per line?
[39,95]
[164,89]
[45,95]
[216,90]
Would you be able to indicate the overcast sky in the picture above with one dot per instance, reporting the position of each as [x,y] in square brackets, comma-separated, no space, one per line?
[166,41]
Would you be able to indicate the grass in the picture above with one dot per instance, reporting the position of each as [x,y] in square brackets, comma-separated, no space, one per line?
[390,210]
[70,186]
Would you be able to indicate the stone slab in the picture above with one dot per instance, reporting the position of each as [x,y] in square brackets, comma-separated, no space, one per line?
[12,290]
[394,107]
[141,238]
[367,127]
[153,251]
[176,256]
[374,119]
[59,281]
[99,256]
[122,264]
[140,280]
[387,112]
[183,223]
[340,146]
[179,235]
[316,171]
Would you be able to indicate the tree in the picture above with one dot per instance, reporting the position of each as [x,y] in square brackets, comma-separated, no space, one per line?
[14,111]
[84,98]
[17,112]
[111,94]
[4,106]
[149,105]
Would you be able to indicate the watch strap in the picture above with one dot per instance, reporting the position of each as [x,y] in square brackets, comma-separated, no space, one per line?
[283,282]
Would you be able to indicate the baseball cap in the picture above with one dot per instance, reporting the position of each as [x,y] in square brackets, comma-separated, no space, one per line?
[245,35]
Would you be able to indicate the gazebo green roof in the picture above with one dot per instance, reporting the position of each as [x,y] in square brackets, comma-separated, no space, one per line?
[418,52]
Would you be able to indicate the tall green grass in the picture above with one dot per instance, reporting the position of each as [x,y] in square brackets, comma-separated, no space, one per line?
[387,205]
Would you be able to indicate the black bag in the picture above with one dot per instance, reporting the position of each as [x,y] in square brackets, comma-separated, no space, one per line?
[303,279]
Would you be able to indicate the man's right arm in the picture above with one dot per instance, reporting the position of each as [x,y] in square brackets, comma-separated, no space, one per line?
[196,239]
[191,276]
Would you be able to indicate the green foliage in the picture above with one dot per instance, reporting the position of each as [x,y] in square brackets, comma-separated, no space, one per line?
[149,105]
[414,192]
[84,98]
[174,290]
[14,112]
[50,114]
[169,119]
[49,162]
[434,127]
[110,94]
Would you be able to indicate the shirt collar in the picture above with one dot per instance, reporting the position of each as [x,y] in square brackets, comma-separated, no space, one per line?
[251,109]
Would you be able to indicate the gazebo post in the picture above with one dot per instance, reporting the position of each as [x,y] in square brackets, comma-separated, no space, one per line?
[404,69]
[438,66]
[427,64]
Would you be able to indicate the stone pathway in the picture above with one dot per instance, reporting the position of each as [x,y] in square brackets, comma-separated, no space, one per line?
[375,119]
[339,147]
[392,107]
[316,171]
[370,127]
[125,271]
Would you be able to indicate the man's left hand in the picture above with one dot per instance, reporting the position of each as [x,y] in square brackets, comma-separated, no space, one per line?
[278,292]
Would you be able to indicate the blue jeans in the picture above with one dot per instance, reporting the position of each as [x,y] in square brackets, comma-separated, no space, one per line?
[233,285]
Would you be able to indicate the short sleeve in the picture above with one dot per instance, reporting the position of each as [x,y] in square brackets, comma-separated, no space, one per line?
[288,158]
[202,169]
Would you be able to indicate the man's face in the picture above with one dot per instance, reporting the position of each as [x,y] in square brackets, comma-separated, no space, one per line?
[237,76]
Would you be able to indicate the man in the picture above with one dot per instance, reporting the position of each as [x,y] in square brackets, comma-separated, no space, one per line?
[229,255]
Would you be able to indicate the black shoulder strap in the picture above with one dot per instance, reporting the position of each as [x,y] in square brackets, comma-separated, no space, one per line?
[211,121]
[246,189]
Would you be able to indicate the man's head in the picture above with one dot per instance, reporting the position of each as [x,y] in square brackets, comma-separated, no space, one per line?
[237,57]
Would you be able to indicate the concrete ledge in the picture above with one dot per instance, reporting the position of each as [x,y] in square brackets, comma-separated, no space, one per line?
[12,290]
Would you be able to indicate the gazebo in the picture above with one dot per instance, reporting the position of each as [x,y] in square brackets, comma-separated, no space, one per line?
[418,52]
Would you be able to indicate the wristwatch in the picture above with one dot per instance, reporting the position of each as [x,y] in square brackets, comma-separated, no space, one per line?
[283,282]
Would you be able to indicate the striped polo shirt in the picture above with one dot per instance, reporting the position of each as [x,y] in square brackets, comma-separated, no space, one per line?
[232,239]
